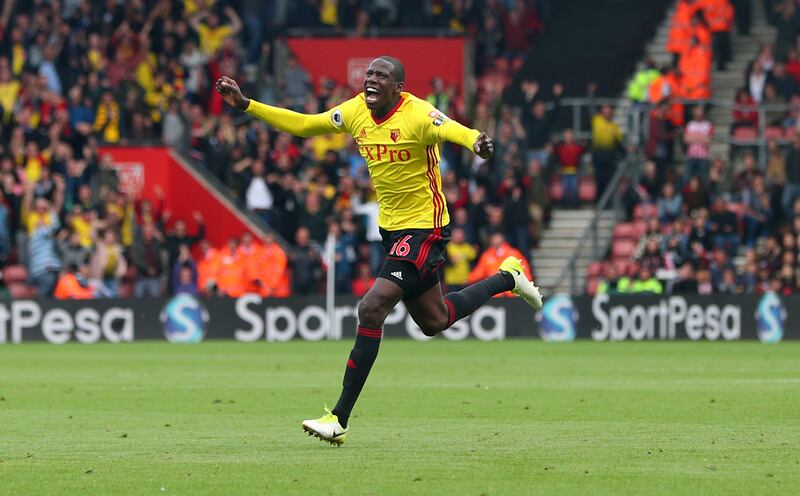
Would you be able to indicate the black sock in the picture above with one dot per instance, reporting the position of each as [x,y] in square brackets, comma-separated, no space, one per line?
[363,355]
[466,301]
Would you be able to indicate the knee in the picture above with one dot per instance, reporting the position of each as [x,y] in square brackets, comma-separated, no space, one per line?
[372,311]
[433,325]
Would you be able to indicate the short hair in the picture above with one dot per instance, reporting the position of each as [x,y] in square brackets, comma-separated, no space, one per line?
[398,70]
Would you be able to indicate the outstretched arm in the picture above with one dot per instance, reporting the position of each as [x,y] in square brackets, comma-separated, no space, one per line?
[479,142]
[236,21]
[437,127]
[302,125]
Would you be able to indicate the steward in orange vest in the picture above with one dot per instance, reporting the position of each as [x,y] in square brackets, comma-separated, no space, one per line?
[680,30]
[719,15]
[695,66]
[230,271]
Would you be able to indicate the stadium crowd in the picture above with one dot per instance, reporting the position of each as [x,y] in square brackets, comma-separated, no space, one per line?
[77,75]
[719,225]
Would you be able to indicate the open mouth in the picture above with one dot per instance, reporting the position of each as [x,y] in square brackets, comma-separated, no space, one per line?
[371,94]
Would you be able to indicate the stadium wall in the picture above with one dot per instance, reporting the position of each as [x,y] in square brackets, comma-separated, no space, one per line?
[251,318]
[142,168]
[345,60]
[590,41]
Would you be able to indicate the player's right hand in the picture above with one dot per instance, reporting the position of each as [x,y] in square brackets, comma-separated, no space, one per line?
[231,93]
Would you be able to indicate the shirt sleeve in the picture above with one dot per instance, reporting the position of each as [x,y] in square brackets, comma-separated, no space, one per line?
[437,128]
[223,32]
[202,33]
[336,120]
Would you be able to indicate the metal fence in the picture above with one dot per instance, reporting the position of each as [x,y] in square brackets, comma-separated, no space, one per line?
[778,122]
[627,167]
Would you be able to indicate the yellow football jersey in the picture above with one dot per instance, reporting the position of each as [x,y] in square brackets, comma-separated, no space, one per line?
[401,151]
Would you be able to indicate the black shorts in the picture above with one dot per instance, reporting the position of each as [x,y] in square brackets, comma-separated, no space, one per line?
[413,258]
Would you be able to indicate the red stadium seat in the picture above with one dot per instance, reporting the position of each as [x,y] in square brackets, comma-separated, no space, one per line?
[621,266]
[595,269]
[774,132]
[746,134]
[501,64]
[737,208]
[587,189]
[644,211]
[591,285]
[625,230]
[639,228]
[790,132]
[15,273]
[21,290]
[556,191]
[623,248]
[632,269]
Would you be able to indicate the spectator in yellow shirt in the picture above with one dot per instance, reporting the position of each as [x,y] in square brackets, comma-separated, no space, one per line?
[191,7]
[84,223]
[646,283]
[211,34]
[321,144]
[106,121]
[329,13]
[35,162]
[460,255]
[9,89]
[606,141]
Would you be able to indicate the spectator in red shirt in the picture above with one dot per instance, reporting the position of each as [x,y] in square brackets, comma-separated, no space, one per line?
[520,26]
[695,195]
[284,147]
[652,259]
[363,280]
[745,113]
[660,139]
[569,154]
[697,136]
[793,64]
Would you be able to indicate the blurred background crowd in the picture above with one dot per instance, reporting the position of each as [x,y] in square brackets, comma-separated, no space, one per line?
[708,223]
[78,74]
[75,75]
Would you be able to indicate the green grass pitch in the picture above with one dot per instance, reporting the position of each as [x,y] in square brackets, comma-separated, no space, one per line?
[466,418]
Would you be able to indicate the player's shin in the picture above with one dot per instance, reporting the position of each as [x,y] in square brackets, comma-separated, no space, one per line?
[362,356]
[466,301]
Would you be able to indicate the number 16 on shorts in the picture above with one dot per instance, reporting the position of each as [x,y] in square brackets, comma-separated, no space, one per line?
[401,248]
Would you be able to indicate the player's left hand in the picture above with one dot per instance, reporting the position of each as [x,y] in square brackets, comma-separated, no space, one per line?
[483,147]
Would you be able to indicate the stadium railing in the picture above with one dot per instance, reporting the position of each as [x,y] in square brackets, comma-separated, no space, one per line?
[627,167]
[576,114]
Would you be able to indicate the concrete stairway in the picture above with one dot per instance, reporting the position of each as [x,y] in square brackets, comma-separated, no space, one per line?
[725,84]
[655,50]
[559,242]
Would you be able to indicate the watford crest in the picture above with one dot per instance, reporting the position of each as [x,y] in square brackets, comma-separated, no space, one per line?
[394,134]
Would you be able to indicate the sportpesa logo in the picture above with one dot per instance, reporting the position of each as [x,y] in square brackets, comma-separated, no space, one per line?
[184,319]
[770,317]
[557,319]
